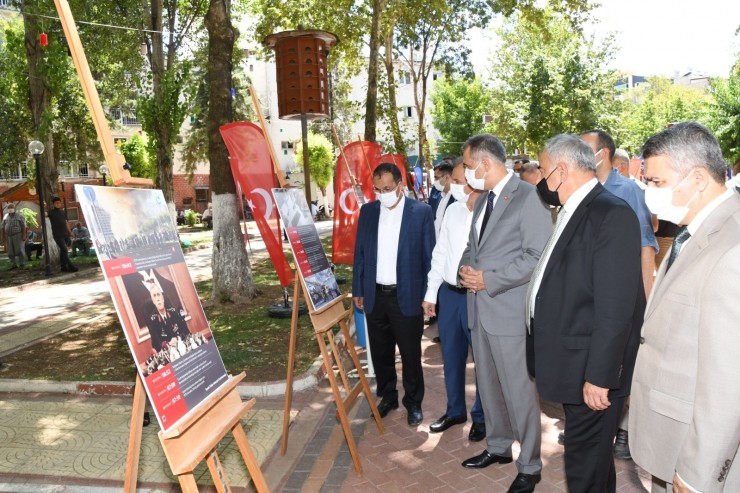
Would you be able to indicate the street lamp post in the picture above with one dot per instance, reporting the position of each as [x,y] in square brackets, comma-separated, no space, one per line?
[104,170]
[37,148]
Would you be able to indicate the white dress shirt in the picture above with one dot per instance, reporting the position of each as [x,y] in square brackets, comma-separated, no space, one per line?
[497,191]
[567,211]
[440,213]
[389,230]
[453,238]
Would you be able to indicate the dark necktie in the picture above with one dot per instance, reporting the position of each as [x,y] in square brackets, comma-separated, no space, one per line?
[487,214]
[681,236]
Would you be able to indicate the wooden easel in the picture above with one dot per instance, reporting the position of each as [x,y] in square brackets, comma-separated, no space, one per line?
[195,438]
[323,321]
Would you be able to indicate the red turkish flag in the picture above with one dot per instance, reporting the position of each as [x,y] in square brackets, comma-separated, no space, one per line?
[362,157]
[252,168]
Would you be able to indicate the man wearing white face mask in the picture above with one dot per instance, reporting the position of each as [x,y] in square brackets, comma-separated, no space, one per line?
[442,181]
[509,230]
[393,253]
[684,414]
[603,146]
[454,333]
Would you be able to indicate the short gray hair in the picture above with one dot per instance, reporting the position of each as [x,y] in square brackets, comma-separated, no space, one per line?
[688,145]
[487,144]
[572,150]
[621,155]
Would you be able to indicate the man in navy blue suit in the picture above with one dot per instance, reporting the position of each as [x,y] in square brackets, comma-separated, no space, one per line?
[393,253]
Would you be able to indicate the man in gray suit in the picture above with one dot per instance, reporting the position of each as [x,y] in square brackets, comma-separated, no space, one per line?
[685,414]
[510,228]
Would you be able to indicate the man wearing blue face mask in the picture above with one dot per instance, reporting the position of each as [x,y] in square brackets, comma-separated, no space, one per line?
[684,415]
[393,253]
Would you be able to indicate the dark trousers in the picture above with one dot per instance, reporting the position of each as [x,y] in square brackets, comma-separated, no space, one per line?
[387,327]
[63,254]
[589,440]
[34,247]
[454,335]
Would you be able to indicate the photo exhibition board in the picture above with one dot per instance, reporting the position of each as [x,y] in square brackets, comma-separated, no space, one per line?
[308,252]
[171,342]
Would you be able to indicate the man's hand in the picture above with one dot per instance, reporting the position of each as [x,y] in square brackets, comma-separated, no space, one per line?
[596,398]
[429,309]
[359,302]
[472,279]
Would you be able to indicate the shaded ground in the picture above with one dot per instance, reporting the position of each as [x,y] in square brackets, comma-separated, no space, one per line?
[34,270]
[247,339]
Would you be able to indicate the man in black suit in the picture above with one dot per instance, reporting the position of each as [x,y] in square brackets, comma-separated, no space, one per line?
[585,307]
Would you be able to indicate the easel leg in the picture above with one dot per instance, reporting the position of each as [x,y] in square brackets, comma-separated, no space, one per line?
[134,438]
[217,472]
[249,459]
[187,482]
[363,380]
[343,419]
[291,363]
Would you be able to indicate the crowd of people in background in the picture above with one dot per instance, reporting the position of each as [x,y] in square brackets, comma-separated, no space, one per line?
[575,282]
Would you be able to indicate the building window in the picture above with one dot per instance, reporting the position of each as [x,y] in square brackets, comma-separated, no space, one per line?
[73,214]
[251,67]
[201,194]
[404,77]
[187,201]
[286,144]
[409,111]
[434,76]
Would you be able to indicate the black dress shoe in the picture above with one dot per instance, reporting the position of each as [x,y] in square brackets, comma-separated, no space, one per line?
[477,432]
[386,406]
[415,416]
[486,459]
[446,422]
[436,339]
[524,483]
[561,438]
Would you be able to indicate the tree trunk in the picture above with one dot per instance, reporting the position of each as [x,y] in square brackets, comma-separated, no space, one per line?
[160,62]
[371,102]
[232,274]
[398,142]
[39,103]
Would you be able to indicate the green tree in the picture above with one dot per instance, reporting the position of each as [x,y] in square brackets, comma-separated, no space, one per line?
[723,115]
[320,160]
[14,110]
[651,107]
[459,107]
[136,152]
[162,110]
[549,78]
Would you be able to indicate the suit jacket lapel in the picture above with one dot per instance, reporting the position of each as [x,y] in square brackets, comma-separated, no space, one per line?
[570,228]
[502,202]
[405,227]
[478,209]
[372,237]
